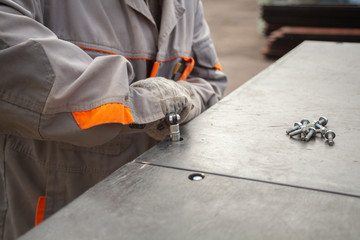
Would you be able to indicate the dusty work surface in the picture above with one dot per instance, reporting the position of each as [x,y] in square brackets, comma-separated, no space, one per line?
[259,183]
[244,135]
[149,202]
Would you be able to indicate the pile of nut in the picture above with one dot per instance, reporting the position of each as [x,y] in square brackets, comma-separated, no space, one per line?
[307,130]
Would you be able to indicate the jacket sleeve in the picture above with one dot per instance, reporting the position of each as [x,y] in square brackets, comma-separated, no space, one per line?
[50,89]
[206,77]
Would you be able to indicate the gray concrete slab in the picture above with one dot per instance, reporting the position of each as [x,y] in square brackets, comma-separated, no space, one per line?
[147,202]
[244,135]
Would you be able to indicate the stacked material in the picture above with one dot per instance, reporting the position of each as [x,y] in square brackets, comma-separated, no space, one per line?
[287,25]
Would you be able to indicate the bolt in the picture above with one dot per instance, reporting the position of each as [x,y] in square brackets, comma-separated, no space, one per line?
[321,122]
[296,132]
[322,130]
[297,126]
[310,134]
[330,135]
[302,129]
[299,131]
[305,122]
[174,127]
[173,118]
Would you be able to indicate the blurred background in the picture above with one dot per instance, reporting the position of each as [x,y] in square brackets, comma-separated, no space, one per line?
[249,35]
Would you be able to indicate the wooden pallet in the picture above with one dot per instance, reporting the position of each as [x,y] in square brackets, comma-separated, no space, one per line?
[286,38]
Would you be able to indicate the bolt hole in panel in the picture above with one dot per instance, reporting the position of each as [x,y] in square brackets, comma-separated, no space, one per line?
[181,139]
[196,176]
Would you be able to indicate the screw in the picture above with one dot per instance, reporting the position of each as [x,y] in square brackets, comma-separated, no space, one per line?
[305,122]
[330,135]
[297,126]
[321,122]
[322,130]
[306,125]
[311,133]
[299,131]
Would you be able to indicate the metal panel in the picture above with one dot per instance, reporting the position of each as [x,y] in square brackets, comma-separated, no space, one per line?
[148,202]
[244,135]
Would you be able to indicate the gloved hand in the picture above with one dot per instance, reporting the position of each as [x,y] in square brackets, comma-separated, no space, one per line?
[174,97]
[195,106]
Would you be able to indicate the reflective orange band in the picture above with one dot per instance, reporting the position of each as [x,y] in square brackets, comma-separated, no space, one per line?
[155,69]
[108,113]
[218,66]
[188,69]
[40,209]
[99,50]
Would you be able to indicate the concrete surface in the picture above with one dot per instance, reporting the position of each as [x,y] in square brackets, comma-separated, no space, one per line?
[234,30]
[257,183]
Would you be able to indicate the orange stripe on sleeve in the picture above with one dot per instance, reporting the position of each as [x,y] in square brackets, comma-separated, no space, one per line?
[108,113]
[218,66]
[188,69]
[40,209]
[98,50]
[155,69]
[103,51]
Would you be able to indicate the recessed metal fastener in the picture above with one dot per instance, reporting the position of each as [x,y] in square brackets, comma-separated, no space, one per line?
[310,134]
[330,135]
[297,126]
[196,176]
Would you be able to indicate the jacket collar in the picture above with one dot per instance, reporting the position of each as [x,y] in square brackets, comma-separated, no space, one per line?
[172,11]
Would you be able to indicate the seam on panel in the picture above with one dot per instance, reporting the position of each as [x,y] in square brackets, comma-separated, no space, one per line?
[17,105]
[7,97]
[5,197]
[3,45]
[89,106]
[51,75]
[80,43]
[134,58]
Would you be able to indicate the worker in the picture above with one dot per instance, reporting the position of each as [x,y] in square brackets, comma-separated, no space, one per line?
[85,87]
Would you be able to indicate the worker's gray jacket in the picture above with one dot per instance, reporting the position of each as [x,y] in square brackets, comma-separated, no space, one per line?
[65,100]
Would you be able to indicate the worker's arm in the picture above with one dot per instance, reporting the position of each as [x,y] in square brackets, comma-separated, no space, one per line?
[50,89]
[206,77]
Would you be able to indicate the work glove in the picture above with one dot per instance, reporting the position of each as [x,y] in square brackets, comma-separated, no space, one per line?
[174,97]
[195,103]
